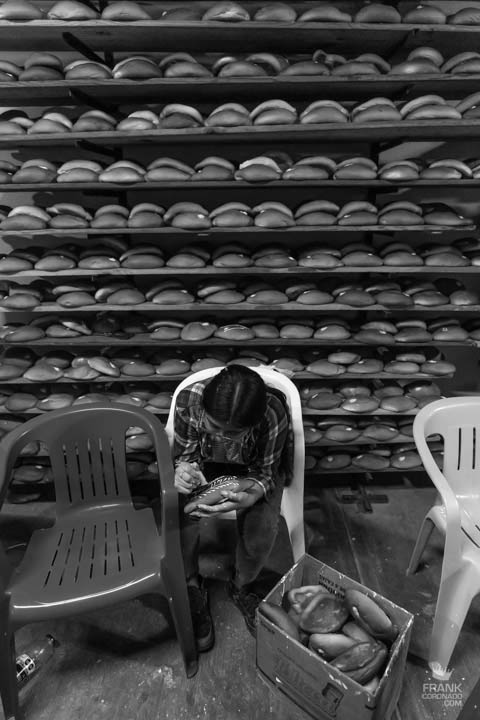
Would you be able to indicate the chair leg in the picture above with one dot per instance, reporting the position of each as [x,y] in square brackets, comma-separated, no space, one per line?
[455,595]
[176,592]
[422,540]
[8,675]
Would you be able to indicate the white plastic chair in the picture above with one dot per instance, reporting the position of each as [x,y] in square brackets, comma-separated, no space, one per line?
[292,499]
[456,514]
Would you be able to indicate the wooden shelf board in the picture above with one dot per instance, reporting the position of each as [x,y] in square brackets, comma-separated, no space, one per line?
[399,440]
[309,447]
[146,341]
[247,272]
[149,35]
[244,231]
[177,378]
[328,132]
[245,307]
[352,470]
[30,93]
[228,186]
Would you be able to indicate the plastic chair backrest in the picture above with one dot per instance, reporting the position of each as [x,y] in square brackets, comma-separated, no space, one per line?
[457,420]
[86,446]
[271,377]
[292,498]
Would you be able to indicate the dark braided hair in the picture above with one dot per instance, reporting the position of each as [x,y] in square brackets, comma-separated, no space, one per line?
[236,396]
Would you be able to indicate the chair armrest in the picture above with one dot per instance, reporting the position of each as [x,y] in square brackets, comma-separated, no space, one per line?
[6,569]
[10,447]
[453,537]
[166,479]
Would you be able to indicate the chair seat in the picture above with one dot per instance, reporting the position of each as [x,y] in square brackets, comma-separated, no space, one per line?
[83,560]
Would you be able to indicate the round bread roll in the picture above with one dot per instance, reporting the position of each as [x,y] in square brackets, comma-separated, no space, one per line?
[25,333]
[137,67]
[371,461]
[342,432]
[225,297]
[20,401]
[165,330]
[438,367]
[450,334]
[425,15]
[87,69]
[362,259]
[378,13]
[355,298]
[296,330]
[355,171]
[398,404]
[366,366]
[173,366]
[464,297]
[20,10]
[13,264]
[304,68]
[265,330]
[325,368]
[181,14]
[318,259]
[276,12]
[226,11]
[374,337]
[137,368]
[196,330]
[71,10]
[406,460]
[378,112]
[228,117]
[332,332]
[273,116]
[232,217]
[334,461]
[305,172]
[324,401]
[205,363]
[322,114]
[380,432]
[43,372]
[235,332]
[161,401]
[184,207]
[343,357]
[465,16]
[124,11]
[191,221]
[325,13]
[360,405]
[401,368]
[312,435]
[314,297]
[240,68]
[393,298]
[267,297]
[20,301]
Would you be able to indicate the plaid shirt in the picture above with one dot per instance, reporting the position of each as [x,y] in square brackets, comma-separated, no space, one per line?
[261,449]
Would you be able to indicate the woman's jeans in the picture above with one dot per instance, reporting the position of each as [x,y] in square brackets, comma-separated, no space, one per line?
[257,529]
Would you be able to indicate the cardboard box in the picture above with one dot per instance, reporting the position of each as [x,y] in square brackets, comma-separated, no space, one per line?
[319,689]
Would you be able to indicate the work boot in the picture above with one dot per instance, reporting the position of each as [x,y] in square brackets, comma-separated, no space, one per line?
[201,618]
[247,602]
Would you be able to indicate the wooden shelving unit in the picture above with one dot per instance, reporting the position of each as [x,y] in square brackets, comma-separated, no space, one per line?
[116,39]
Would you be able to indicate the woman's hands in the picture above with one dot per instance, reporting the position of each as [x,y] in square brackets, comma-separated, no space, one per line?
[233,501]
[188,476]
